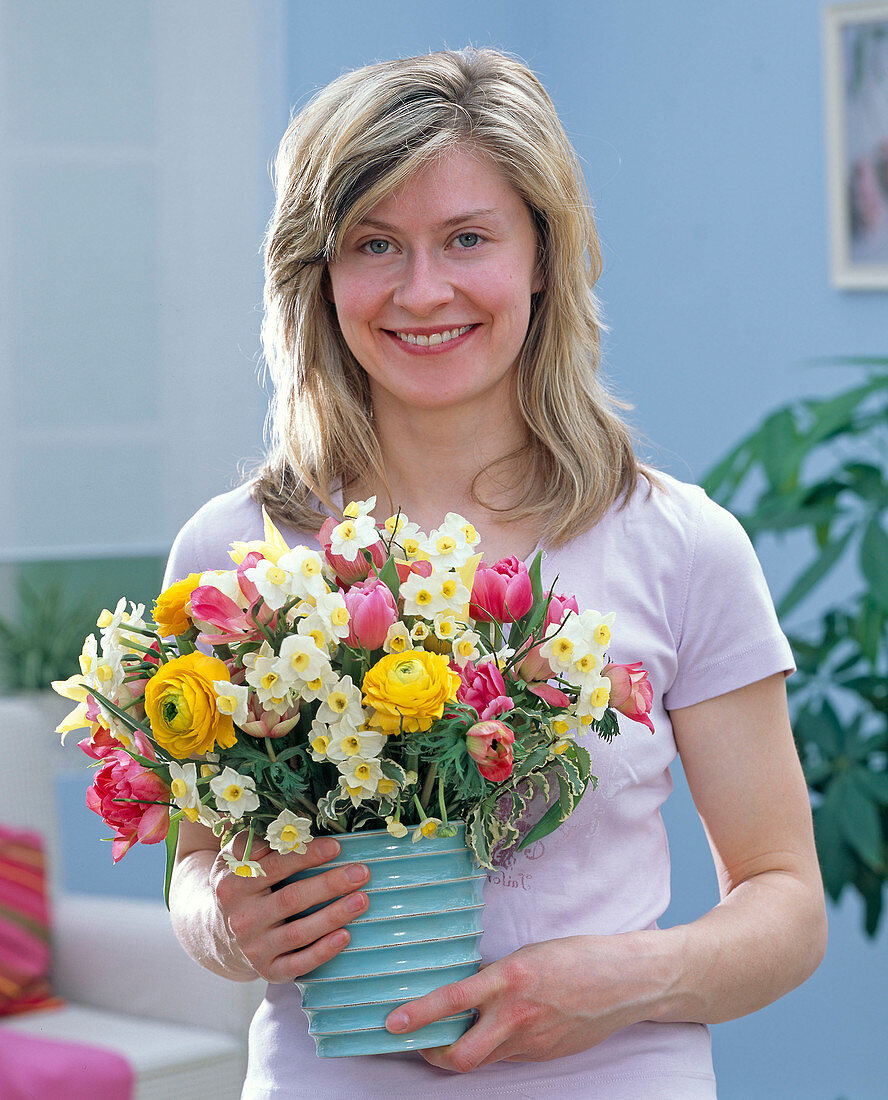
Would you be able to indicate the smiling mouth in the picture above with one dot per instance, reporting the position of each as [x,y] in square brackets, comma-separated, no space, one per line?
[432,339]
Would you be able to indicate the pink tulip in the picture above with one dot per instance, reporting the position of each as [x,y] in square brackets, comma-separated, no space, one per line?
[211,607]
[559,607]
[490,745]
[349,570]
[122,794]
[102,744]
[631,691]
[372,610]
[502,592]
[483,688]
[267,723]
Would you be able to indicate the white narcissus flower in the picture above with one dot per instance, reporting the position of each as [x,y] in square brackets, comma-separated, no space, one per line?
[345,744]
[306,568]
[341,706]
[398,639]
[183,788]
[330,615]
[356,508]
[427,596]
[360,777]
[245,868]
[319,741]
[289,833]
[301,661]
[395,827]
[465,647]
[349,538]
[233,699]
[263,674]
[235,794]
[593,700]
[449,546]
[274,583]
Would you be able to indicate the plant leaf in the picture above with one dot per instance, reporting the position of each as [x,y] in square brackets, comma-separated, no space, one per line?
[815,573]
[874,561]
[172,838]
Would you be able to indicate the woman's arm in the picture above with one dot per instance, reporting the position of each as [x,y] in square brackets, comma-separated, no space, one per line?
[239,927]
[766,936]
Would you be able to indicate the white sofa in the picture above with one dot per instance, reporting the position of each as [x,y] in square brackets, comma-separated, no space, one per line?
[128,986]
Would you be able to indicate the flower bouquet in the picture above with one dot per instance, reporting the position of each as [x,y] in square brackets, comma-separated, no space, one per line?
[391,689]
[392,681]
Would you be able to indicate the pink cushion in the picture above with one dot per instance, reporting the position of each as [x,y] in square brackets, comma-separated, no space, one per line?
[38,1069]
[24,924]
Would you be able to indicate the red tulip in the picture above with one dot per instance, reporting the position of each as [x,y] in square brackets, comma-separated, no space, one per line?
[490,746]
[631,691]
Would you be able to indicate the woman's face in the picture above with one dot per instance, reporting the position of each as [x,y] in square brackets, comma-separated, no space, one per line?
[432,289]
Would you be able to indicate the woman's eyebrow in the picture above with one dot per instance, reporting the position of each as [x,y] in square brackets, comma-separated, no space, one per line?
[457,219]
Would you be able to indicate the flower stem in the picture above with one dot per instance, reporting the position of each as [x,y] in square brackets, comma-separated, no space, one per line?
[428,785]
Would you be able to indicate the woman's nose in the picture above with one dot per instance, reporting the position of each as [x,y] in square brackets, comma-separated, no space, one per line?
[424,285]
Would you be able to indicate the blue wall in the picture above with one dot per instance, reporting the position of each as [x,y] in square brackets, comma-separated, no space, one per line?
[700,126]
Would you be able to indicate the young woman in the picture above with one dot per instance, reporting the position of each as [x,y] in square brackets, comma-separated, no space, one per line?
[433,336]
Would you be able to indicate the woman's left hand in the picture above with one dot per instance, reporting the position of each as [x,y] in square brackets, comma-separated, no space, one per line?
[544,1001]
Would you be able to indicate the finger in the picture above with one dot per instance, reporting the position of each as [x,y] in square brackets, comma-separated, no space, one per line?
[440,1003]
[276,866]
[294,898]
[480,1045]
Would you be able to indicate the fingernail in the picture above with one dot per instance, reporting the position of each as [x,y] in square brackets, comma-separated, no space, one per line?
[340,938]
[398,1021]
[357,872]
[354,903]
[326,847]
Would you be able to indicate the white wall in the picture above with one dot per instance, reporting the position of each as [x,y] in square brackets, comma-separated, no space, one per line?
[134,144]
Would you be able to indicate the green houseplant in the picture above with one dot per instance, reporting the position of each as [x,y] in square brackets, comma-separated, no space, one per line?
[820,467]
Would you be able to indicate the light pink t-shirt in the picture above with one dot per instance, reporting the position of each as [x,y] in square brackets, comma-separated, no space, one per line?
[693,605]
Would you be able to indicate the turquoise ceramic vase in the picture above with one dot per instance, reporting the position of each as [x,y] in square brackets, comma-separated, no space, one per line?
[421,930]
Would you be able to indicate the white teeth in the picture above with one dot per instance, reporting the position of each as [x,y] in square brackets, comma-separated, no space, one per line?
[435,338]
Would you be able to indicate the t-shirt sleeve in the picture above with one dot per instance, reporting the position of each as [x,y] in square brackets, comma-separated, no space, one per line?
[728,635]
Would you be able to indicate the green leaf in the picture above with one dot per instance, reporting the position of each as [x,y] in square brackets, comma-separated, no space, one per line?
[874,561]
[859,820]
[781,449]
[815,573]
[822,727]
[172,838]
[723,480]
[874,783]
[388,574]
[836,860]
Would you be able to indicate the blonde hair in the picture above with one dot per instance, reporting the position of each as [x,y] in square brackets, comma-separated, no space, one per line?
[358,140]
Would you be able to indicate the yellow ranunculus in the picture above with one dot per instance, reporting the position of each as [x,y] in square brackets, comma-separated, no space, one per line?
[180,702]
[170,612]
[409,690]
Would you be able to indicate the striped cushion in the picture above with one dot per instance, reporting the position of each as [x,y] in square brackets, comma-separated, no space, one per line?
[24,924]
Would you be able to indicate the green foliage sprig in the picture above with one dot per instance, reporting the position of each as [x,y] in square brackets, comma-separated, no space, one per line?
[820,466]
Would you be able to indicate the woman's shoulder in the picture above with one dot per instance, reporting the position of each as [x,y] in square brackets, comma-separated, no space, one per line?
[665,511]
[204,540]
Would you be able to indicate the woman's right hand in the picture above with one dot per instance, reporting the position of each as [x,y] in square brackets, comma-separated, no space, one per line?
[262,922]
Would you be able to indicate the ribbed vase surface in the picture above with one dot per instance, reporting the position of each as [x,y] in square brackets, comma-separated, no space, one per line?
[421,930]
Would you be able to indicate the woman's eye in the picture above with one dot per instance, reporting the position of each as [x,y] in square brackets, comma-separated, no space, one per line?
[468,240]
[377,247]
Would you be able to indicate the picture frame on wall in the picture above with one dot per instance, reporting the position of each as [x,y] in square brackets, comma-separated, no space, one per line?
[856,70]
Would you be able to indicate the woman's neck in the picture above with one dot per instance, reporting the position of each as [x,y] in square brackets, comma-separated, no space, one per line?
[433,460]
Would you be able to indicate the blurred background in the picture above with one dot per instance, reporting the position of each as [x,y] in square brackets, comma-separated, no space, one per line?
[135,145]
